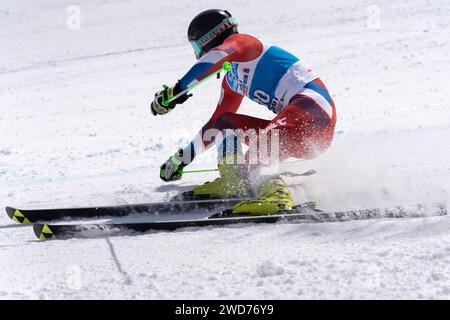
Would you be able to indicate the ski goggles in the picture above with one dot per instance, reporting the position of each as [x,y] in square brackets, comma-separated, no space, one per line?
[199,44]
[197,49]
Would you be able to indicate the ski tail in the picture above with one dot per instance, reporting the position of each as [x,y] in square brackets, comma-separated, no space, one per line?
[17,216]
[43,231]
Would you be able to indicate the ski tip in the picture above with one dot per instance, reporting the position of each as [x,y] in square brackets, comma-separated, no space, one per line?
[17,216]
[43,231]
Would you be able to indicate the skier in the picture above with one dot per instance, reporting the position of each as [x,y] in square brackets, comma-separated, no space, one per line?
[305,112]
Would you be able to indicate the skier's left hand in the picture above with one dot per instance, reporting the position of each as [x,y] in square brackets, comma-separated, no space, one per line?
[172,169]
[167,93]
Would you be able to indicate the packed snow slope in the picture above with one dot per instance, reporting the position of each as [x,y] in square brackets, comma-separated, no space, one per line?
[75,130]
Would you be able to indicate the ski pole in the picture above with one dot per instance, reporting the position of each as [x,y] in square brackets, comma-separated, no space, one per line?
[201,171]
[284,173]
[225,67]
[213,170]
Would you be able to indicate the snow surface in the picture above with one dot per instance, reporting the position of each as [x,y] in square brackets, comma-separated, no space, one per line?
[75,129]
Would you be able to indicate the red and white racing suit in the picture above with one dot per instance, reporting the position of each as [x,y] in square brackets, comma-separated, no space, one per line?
[270,76]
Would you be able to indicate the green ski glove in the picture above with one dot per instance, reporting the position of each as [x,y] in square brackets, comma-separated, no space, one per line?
[172,169]
[167,93]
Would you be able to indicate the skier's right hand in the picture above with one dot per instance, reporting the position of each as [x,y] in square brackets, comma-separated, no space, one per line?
[172,169]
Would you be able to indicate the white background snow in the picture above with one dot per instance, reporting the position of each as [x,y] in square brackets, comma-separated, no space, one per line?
[75,130]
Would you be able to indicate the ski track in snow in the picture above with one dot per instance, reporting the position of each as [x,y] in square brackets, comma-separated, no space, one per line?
[75,129]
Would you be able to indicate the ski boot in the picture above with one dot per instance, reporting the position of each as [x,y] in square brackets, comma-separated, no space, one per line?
[272,196]
[232,183]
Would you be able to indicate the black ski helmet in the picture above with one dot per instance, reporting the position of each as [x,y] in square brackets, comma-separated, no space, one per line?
[209,29]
